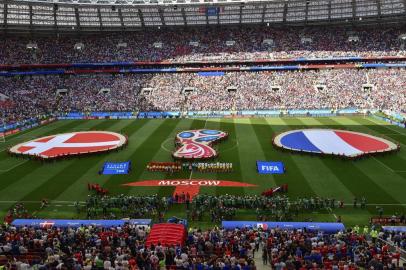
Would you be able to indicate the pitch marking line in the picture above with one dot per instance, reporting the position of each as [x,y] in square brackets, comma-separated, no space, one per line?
[389,126]
[15,166]
[331,211]
[222,151]
[22,136]
[164,147]
[393,134]
[387,167]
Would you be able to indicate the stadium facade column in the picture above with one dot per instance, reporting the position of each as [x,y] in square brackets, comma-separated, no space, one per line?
[55,8]
[378,4]
[241,7]
[354,9]
[218,16]
[100,19]
[5,13]
[307,11]
[161,15]
[120,15]
[329,10]
[77,18]
[404,4]
[30,12]
[182,10]
[141,17]
[263,13]
[285,11]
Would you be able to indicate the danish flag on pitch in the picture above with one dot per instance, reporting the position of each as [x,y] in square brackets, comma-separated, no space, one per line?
[74,143]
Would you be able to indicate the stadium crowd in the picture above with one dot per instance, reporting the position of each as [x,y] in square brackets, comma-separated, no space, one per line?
[124,248]
[213,44]
[37,96]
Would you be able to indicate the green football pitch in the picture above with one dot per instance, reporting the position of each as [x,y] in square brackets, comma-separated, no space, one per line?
[381,179]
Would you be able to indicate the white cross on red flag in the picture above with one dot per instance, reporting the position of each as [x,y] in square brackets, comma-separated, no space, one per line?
[74,143]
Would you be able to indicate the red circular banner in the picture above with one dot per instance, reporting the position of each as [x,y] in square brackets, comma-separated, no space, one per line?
[67,144]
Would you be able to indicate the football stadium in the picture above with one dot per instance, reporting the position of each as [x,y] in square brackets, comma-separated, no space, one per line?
[202,134]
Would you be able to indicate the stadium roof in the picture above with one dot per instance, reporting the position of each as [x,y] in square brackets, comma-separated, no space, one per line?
[88,15]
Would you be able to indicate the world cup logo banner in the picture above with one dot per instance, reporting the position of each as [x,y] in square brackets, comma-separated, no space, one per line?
[197,144]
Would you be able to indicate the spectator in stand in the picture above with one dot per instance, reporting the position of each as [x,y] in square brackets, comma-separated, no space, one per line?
[124,248]
[311,42]
[35,97]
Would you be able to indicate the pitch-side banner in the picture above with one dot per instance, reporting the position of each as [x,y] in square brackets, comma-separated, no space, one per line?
[75,223]
[328,227]
[270,167]
[116,167]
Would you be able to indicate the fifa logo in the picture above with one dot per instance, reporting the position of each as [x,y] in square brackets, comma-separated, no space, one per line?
[196,144]
[270,168]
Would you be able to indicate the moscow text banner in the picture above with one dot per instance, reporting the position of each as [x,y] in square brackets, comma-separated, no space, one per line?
[269,167]
[116,167]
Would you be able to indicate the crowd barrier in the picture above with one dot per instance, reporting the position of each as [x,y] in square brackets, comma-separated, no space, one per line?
[75,223]
[327,227]
[10,129]
[93,68]
[393,122]
[198,114]
[97,115]
[401,229]
[204,62]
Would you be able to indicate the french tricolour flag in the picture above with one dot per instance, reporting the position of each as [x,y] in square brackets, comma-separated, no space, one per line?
[339,142]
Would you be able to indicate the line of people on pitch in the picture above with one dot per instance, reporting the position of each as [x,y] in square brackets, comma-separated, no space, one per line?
[203,167]
[208,167]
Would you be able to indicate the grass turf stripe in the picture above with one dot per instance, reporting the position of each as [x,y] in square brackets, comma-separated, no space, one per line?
[382,129]
[19,185]
[164,155]
[265,130]
[250,151]
[347,172]
[394,161]
[78,188]
[143,154]
[28,167]
[31,133]
[63,179]
[207,123]
[228,151]
[316,173]
[138,133]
